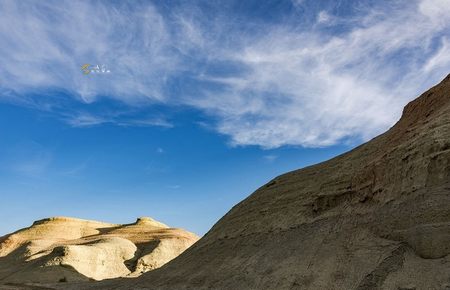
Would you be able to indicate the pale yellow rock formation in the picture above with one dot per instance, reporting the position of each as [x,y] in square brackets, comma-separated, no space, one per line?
[62,249]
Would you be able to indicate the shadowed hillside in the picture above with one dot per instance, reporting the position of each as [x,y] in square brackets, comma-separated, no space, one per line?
[377,217]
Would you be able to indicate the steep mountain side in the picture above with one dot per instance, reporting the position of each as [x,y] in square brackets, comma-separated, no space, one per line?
[377,217]
[64,249]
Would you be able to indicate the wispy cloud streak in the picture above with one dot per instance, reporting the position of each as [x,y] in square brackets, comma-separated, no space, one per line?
[316,88]
[346,76]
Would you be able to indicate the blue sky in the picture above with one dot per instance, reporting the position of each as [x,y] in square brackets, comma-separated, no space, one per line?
[204,102]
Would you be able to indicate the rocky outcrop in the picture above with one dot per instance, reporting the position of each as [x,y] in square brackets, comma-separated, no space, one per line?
[64,249]
[377,217]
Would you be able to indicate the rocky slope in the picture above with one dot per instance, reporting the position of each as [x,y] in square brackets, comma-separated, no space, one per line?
[377,217]
[64,249]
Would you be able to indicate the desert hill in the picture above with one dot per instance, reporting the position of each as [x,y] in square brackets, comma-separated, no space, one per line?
[62,249]
[377,217]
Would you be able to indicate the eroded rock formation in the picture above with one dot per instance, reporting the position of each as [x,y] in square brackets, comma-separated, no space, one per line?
[64,249]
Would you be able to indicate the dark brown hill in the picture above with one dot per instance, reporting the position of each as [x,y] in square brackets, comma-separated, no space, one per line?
[377,217]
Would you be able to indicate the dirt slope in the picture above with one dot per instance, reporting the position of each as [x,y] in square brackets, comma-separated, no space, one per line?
[377,217]
[64,249]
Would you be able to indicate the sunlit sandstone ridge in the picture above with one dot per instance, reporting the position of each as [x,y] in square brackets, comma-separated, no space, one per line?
[377,217]
[63,249]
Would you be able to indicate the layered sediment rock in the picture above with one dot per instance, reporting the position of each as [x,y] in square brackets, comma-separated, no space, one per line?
[64,249]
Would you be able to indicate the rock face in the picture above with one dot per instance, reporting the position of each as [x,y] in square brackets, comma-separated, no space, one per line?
[64,249]
[377,217]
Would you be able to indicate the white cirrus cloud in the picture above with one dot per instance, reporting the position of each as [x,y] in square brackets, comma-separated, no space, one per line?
[45,43]
[344,77]
[311,88]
